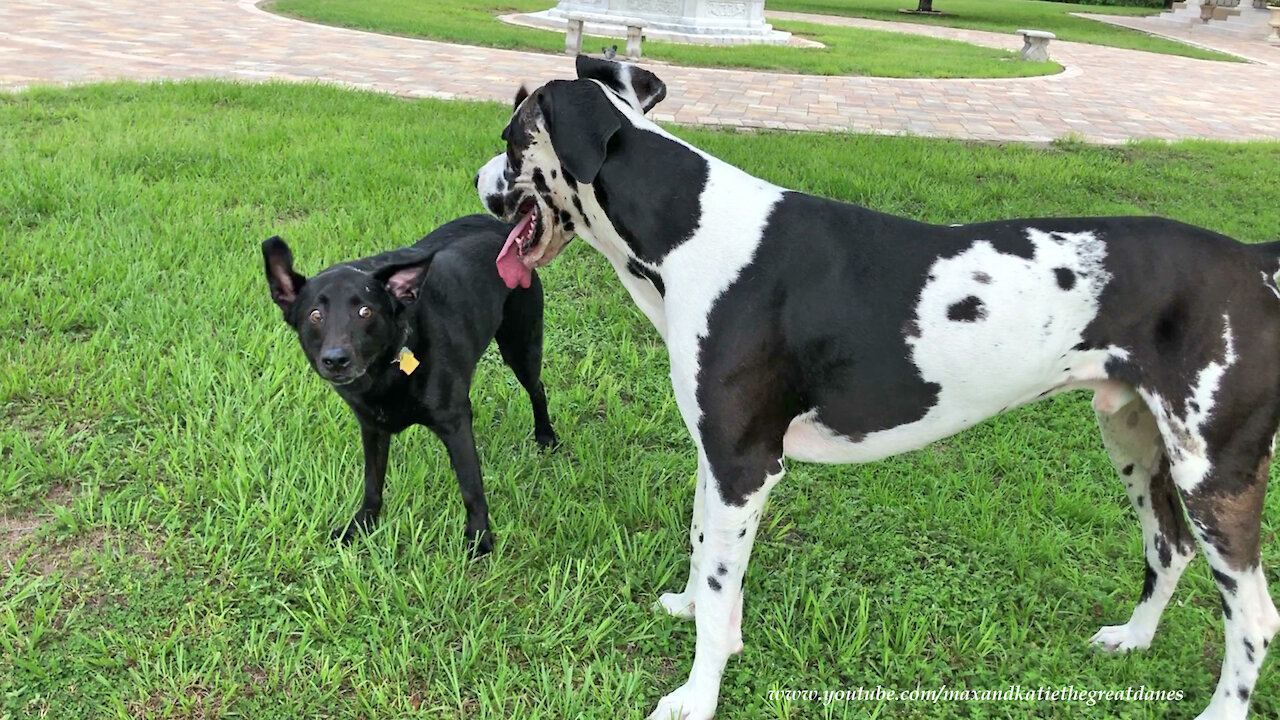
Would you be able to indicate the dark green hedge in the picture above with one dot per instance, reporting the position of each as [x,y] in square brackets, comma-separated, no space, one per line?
[1125,3]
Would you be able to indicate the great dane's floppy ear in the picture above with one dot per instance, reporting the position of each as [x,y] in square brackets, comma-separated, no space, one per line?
[638,86]
[285,284]
[580,121]
[521,94]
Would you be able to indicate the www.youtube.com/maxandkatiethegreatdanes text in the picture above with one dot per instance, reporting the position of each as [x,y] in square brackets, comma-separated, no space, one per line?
[1011,694]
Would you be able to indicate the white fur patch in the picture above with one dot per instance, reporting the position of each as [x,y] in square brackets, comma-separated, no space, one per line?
[1183,428]
[1018,349]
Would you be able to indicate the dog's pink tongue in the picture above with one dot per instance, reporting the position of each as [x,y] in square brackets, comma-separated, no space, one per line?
[512,271]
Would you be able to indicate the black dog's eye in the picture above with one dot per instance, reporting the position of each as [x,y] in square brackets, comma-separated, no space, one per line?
[365,311]
[316,317]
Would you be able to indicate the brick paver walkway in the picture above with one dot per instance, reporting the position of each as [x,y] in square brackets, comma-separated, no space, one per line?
[1105,95]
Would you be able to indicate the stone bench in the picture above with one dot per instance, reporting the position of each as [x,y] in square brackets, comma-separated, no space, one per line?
[573,35]
[1035,45]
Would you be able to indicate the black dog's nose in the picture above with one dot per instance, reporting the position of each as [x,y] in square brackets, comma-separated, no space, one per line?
[335,358]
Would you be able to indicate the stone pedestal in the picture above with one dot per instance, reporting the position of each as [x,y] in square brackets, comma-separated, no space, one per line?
[711,22]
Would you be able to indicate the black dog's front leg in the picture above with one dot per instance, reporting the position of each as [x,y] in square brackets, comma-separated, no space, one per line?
[461,445]
[377,445]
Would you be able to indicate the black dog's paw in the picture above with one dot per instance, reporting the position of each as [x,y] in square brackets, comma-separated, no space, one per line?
[546,439]
[479,542]
[346,535]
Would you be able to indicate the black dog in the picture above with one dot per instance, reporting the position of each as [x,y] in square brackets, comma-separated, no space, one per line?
[399,335]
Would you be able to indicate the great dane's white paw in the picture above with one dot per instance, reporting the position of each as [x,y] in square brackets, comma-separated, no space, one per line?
[677,604]
[1121,638]
[685,703]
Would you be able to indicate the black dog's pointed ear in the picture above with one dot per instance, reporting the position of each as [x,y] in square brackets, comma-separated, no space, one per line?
[285,284]
[632,82]
[580,121]
[404,281]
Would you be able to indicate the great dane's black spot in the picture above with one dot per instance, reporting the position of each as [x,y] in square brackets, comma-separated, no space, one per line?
[1163,551]
[1243,692]
[714,583]
[982,278]
[1226,609]
[721,570]
[742,532]
[1066,278]
[540,182]
[1148,584]
[1142,501]
[1127,470]
[969,309]
[1248,650]
[1226,582]
[644,273]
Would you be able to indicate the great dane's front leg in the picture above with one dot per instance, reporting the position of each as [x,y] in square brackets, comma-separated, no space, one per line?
[731,514]
[681,604]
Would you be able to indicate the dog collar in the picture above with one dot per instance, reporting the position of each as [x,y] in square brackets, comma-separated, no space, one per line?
[404,356]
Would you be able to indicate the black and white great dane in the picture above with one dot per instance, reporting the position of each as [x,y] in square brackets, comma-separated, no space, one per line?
[807,328]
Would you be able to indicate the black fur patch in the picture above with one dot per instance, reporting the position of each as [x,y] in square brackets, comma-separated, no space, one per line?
[714,583]
[1148,585]
[1226,582]
[969,309]
[639,270]
[1128,469]
[721,569]
[1163,551]
[1066,278]
[540,182]
[982,278]
[1248,650]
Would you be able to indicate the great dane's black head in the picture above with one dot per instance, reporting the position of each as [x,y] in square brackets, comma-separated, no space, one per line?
[557,140]
[348,316]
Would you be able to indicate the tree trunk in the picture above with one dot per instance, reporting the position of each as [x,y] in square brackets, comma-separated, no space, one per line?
[925,6]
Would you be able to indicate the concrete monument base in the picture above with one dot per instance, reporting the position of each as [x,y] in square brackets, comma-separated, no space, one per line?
[702,22]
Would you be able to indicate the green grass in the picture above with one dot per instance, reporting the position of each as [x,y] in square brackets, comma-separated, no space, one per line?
[1009,16]
[170,468]
[849,51]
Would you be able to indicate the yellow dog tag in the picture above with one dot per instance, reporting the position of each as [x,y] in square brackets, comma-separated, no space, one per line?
[408,363]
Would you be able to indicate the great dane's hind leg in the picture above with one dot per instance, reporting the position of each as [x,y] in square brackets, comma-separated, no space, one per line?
[1133,441]
[681,604]
[729,529]
[1223,489]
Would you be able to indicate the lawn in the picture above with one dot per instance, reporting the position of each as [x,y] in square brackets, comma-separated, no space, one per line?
[1009,16]
[171,468]
[849,51]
